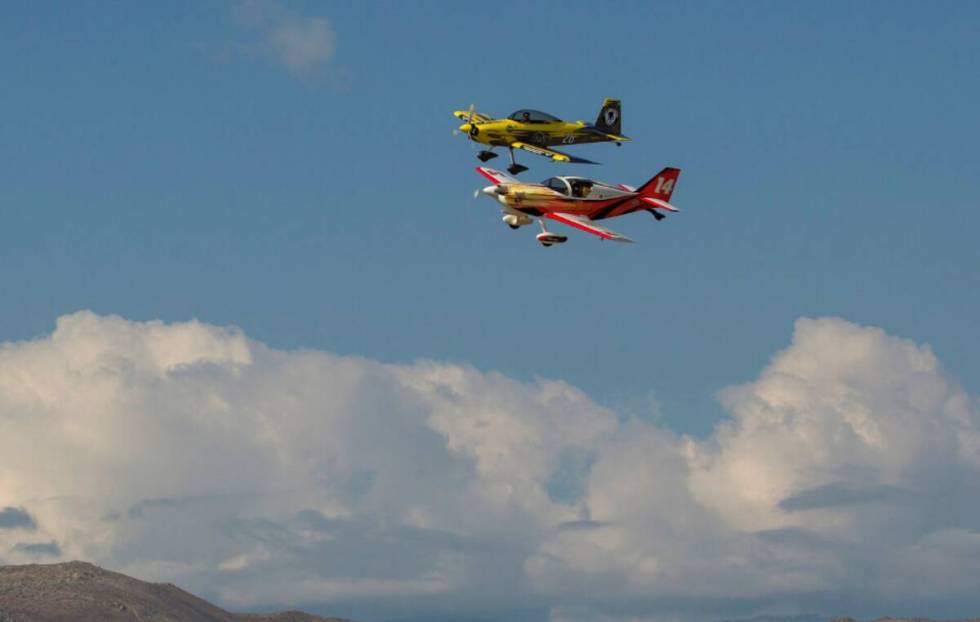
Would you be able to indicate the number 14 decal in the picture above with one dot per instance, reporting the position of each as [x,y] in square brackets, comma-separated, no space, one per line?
[664,186]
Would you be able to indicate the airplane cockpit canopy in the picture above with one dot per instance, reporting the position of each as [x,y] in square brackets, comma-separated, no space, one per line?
[577,187]
[557,184]
[527,115]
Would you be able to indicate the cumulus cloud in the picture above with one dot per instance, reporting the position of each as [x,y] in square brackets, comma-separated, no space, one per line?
[303,45]
[191,453]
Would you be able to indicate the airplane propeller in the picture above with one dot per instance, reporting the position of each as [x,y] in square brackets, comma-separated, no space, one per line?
[469,120]
[472,113]
[497,189]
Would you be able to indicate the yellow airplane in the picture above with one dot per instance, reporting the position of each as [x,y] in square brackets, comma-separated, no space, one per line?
[535,131]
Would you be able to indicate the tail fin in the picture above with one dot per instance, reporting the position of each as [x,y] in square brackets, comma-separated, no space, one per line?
[610,117]
[656,192]
[662,184]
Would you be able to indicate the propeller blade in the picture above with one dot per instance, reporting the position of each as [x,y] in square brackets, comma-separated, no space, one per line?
[469,117]
[472,113]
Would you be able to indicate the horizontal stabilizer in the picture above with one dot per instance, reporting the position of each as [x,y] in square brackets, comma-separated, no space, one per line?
[659,204]
[613,137]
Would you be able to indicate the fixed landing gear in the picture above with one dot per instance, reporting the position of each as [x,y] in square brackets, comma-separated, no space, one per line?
[548,238]
[656,214]
[486,155]
[514,226]
[514,167]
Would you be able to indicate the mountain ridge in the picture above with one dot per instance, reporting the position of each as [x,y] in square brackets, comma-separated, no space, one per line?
[82,592]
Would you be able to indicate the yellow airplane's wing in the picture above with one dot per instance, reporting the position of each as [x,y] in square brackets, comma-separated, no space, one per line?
[477,117]
[557,156]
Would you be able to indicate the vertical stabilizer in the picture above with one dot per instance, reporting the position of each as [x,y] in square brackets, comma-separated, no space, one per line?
[610,118]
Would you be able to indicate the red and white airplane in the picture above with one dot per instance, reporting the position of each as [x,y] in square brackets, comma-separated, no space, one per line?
[577,201]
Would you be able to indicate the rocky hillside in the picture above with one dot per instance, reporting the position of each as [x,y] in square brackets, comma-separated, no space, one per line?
[81,592]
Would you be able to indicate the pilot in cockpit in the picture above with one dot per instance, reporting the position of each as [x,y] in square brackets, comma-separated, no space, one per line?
[581,188]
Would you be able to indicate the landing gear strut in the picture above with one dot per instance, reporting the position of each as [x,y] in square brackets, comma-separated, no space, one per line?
[514,167]
[656,214]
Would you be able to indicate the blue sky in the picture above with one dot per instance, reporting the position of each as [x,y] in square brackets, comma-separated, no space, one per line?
[157,161]
[155,168]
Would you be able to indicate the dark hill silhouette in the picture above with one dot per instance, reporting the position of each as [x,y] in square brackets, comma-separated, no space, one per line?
[82,592]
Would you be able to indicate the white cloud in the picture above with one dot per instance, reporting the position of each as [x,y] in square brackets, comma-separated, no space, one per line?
[303,45]
[190,453]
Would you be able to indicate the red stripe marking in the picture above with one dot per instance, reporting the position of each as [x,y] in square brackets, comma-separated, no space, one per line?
[484,172]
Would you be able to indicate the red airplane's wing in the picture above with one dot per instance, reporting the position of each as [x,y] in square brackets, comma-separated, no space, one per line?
[587,225]
[496,176]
